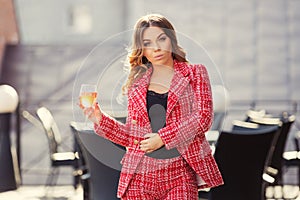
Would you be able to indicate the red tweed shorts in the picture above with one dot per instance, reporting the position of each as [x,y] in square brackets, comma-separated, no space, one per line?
[163,179]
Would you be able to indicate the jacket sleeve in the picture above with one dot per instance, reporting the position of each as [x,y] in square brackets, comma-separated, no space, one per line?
[184,129]
[113,130]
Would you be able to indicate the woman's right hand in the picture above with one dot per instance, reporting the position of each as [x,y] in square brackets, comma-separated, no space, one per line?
[93,113]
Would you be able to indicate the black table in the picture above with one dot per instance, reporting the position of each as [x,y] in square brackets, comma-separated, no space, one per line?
[9,168]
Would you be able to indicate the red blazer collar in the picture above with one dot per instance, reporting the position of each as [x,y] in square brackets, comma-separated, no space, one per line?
[182,70]
[182,67]
[179,82]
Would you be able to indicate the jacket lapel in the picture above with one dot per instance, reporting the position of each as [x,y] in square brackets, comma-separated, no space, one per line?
[179,82]
[139,92]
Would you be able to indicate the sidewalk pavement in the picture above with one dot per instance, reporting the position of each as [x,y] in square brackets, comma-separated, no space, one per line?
[38,192]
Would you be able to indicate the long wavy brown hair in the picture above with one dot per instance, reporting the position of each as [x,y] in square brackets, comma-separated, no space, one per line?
[138,63]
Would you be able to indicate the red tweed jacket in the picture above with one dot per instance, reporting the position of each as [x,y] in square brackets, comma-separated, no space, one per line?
[189,115]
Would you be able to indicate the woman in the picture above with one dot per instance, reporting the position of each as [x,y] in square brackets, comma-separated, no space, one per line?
[169,111]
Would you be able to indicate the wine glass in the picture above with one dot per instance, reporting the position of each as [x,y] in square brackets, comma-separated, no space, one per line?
[88,96]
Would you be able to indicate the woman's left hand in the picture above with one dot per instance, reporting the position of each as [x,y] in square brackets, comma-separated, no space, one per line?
[151,143]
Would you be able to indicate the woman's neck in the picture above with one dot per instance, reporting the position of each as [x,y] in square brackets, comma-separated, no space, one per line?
[164,69]
[161,78]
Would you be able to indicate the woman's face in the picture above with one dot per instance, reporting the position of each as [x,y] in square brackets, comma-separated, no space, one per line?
[157,46]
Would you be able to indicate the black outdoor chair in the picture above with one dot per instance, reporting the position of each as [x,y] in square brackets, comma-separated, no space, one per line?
[103,180]
[241,156]
[59,158]
[103,162]
[292,159]
[285,121]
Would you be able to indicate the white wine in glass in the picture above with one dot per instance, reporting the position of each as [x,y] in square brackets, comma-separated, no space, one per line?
[88,95]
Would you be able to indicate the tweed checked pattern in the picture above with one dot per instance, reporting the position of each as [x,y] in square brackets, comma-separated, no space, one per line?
[162,179]
[189,115]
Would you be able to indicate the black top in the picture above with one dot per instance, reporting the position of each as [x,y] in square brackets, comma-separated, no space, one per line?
[156,107]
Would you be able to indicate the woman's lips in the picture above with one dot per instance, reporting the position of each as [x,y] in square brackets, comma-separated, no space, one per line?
[158,57]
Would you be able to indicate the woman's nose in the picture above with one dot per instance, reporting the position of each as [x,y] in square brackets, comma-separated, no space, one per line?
[156,46]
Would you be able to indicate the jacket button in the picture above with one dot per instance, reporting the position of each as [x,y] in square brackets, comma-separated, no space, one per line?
[135,141]
[134,121]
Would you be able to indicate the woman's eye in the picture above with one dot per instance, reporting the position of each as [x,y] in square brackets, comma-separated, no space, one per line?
[146,44]
[162,38]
